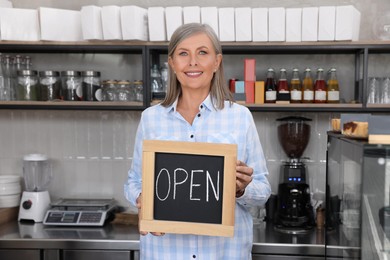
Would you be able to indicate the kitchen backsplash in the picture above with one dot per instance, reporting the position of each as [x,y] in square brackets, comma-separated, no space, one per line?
[91,150]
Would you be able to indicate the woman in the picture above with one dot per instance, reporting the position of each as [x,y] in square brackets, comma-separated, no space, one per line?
[199,108]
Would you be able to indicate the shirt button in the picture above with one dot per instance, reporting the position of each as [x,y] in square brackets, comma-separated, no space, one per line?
[193,256]
[201,106]
[198,115]
[192,136]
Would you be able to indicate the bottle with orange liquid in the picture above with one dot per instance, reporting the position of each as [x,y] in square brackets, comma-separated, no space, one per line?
[295,87]
[333,95]
[320,87]
[307,87]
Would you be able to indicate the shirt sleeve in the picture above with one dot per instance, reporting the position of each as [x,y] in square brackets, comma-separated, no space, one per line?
[133,185]
[259,190]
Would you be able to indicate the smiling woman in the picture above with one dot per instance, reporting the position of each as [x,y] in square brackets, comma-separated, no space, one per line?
[199,108]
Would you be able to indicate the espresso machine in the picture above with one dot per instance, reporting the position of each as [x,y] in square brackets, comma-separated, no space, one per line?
[294,212]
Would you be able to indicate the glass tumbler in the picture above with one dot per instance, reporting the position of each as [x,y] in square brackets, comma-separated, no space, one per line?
[373,92]
[385,91]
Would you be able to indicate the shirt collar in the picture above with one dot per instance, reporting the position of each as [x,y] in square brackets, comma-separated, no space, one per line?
[207,103]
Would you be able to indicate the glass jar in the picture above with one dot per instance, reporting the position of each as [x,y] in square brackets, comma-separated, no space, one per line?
[91,86]
[50,85]
[109,90]
[71,85]
[139,90]
[124,91]
[28,87]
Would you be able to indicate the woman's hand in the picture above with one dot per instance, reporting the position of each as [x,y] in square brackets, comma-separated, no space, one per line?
[143,233]
[243,177]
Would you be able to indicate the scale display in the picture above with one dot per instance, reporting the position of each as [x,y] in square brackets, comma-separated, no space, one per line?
[79,212]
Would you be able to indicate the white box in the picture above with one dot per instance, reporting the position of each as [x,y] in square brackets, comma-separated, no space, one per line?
[156,24]
[310,24]
[134,23]
[6,4]
[25,28]
[191,14]
[277,24]
[173,19]
[293,24]
[111,22]
[243,21]
[347,23]
[226,24]
[209,15]
[91,22]
[326,23]
[60,24]
[260,24]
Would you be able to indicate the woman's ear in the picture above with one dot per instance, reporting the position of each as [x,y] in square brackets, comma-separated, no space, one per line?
[218,61]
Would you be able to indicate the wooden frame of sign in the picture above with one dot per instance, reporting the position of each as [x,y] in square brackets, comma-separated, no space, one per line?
[210,154]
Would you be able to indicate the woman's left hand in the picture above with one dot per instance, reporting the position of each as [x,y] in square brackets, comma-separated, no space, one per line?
[243,177]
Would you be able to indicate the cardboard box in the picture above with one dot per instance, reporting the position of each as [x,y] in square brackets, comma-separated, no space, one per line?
[347,23]
[243,21]
[226,23]
[326,23]
[134,23]
[91,22]
[260,24]
[259,92]
[249,92]
[209,15]
[111,22]
[54,27]
[249,70]
[293,24]
[191,14]
[277,24]
[156,24]
[25,28]
[240,86]
[173,19]
[310,24]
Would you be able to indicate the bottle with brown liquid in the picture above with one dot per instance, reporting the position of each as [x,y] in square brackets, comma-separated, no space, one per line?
[270,87]
[320,87]
[283,89]
[295,87]
[333,95]
[307,87]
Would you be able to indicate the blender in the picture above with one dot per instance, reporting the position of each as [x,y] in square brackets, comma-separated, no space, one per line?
[294,213]
[35,200]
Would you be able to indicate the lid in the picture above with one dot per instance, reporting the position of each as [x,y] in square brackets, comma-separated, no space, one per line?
[270,69]
[72,73]
[109,81]
[90,73]
[138,82]
[307,69]
[293,118]
[49,73]
[124,82]
[27,72]
[35,157]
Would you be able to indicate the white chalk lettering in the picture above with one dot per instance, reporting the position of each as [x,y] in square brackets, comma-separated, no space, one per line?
[169,184]
[216,193]
[175,183]
[194,185]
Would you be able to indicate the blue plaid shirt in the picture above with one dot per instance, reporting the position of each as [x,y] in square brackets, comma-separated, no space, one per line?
[234,124]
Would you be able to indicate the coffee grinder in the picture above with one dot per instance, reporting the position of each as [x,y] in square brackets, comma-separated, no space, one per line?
[35,200]
[294,212]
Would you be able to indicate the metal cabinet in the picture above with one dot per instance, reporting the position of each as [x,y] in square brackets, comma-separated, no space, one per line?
[276,257]
[96,255]
[12,254]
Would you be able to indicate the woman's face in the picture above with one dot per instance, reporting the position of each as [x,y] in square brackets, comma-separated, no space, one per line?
[194,61]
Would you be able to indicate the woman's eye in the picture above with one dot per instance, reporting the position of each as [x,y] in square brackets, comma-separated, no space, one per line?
[183,53]
[202,52]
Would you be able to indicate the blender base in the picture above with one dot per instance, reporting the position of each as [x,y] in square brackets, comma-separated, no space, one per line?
[33,205]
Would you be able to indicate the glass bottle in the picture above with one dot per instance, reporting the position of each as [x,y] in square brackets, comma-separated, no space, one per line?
[50,85]
[7,73]
[71,85]
[28,87]
[164,77]
[320,87]
[283,90]
[307,87]
[109,90]
[270,87]
[333,95]
[91,86]
[295,87]
[2,89]
[155,79]
[124,91]
[139,90]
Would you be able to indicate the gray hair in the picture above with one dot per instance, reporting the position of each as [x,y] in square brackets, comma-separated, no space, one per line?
[219,91]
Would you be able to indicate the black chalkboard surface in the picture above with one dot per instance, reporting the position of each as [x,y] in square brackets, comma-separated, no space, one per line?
[188,188]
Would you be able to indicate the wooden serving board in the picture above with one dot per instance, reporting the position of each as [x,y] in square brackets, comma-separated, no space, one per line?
[8,214]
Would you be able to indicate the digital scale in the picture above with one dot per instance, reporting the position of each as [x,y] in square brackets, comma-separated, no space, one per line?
[80,212]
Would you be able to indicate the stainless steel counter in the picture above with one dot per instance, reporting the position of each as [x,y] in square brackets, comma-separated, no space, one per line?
[15,235]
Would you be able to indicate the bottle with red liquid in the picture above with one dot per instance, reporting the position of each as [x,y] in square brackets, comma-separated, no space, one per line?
[320,87]
[270,87]
[283,90]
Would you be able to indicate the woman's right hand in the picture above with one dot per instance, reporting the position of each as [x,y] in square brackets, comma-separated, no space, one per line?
[143,233]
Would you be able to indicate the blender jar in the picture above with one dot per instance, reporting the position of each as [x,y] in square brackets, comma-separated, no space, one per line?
[36,171]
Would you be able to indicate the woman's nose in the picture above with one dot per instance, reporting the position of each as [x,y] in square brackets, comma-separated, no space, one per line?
[193,61]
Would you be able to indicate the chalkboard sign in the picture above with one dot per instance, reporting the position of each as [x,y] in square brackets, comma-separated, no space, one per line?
[188,188]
